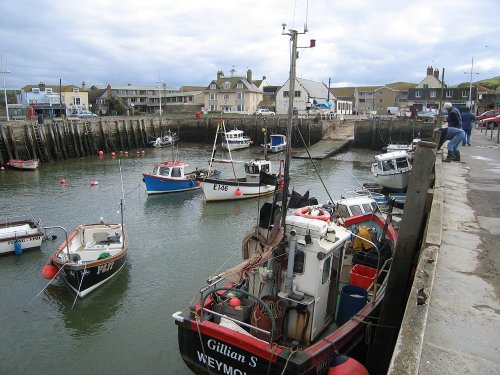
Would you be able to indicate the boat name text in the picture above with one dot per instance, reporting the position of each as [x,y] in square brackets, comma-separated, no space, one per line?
[31,239]
[227,351]
[220,187]
[105,267]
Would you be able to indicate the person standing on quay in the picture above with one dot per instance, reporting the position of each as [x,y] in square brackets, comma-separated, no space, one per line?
[455,136]
[467,119]
[454,118]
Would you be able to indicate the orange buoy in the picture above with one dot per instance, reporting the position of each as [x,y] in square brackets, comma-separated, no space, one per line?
[234,302]
[63,181]
[238,191]
[344,365]
[49,271]
[113,154]
[126,152]
[93,183]
[101,153]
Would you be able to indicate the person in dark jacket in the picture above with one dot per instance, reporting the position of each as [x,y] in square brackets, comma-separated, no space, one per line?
[467,119]
[455,136]
[454,118]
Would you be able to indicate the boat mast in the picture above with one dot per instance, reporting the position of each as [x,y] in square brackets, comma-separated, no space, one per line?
[291,95]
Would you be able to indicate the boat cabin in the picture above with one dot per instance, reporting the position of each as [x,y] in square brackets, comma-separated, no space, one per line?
[254,167]
[393,161]
[169,169]
[357,205]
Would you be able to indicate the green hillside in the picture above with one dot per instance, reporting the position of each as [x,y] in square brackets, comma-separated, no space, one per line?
[491,83]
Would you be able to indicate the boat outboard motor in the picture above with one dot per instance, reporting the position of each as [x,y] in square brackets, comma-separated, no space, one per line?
[76,258]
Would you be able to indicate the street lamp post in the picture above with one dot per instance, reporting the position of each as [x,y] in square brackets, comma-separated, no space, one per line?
[470,85]
[4,72]
[162,86]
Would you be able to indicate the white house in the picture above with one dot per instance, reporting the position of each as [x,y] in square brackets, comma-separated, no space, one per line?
[307,93]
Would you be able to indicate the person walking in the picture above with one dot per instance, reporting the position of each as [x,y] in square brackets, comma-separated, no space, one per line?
[467,119]
[455,136]
[454,118]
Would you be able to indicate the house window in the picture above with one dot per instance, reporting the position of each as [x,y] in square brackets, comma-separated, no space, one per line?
[48,90]
[240,95]
[433,93]
[449,94]
[226,96]
[426,86]
[241,108]
[297,94]
[239,85]
[213,86]
[380,100]
[465,94]
[285,94]
[227,85]
[418,94]
[35,90]
[101,101]
[213,107]
[76,90]
[213,96]
[361,100]
[77,101]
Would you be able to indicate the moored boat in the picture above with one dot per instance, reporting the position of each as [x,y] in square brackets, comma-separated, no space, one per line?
[235,140]
[166,139]
[277,144]
[171,176]
[19,234]
[24,164]
[258,181]
[91,255]
[392,170]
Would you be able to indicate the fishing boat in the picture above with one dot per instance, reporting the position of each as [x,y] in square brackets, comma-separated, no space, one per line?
[277,144]
[259,178]
[392,170]
[258,181]
[353,205]
[19,234]
[409,148]
[171,176]
[166,139]
[235,140]
[276,312]
[23,164]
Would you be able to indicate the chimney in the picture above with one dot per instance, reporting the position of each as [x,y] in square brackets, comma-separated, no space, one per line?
[436,73]
[41,85]
[264,78]
[108,90]
[249,75]
[84,87]
[429,70]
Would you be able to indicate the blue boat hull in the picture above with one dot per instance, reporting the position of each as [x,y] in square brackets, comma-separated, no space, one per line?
[159,185]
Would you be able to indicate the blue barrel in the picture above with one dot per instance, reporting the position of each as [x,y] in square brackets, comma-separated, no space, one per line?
[352,299]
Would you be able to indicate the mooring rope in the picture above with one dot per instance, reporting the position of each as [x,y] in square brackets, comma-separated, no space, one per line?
[201,341]
[80,286]
[292,352]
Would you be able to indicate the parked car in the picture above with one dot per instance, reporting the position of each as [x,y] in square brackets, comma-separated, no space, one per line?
[264,112]
[488,114]
[490,123]
[86,114]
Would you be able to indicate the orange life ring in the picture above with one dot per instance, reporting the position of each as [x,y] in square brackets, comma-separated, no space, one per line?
[305,212]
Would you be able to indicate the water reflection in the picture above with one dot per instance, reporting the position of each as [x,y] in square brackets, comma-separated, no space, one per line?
[89,314]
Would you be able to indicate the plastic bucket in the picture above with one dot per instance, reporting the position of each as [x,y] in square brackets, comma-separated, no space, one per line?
[260,318]
[362,276]
[352,299]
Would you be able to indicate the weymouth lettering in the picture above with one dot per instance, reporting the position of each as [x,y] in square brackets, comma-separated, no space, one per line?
[227,351]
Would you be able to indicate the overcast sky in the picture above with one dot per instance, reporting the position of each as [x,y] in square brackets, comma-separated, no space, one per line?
[359,42]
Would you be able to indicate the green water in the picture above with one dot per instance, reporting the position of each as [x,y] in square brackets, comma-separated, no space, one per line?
[176,241]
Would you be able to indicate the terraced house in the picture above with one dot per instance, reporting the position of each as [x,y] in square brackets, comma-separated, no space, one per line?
[234,93]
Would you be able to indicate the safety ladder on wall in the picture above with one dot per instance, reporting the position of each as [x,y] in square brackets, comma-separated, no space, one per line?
[39,141]
[90,137]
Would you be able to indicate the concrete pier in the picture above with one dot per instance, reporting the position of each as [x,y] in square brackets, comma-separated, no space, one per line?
[452,319]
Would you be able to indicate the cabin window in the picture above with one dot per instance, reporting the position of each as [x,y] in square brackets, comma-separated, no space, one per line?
[367,208]
[155,170]
[356,210]
[176,172]
[298,264]
[265,168]
[254,169]
[387,165]
[374,207]
[342,210]
[402,163]
[326,270]
[164,171]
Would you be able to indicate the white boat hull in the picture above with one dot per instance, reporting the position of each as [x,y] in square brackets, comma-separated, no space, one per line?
[28,236]
[226,190]
[235,146]
[397,181]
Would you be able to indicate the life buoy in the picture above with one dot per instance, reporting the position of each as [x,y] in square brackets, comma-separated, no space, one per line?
[306,212]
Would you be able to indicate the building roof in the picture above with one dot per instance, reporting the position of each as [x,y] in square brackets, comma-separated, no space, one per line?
[343,92]
[401,85]
[234,80]
[55,88]
[314,89]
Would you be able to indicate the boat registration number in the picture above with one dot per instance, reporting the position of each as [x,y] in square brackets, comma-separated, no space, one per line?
[221,187]
[105,267]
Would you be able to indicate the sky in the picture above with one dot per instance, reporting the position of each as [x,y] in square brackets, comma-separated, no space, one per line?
[358,42]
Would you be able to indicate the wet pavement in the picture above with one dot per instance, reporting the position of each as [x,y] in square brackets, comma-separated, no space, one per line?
[456,330]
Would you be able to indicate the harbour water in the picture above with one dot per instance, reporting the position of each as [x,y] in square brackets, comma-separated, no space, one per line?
[176,241]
